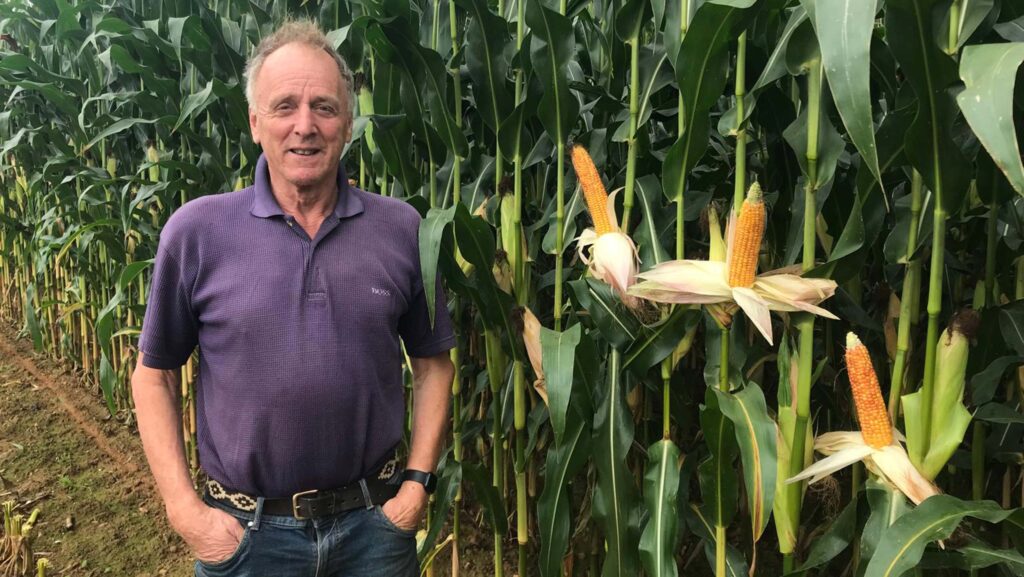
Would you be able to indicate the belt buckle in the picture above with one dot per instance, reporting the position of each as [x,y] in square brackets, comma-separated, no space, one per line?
[295,503]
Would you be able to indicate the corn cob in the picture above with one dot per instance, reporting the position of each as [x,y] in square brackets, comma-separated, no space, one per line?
[867,395]
[593,189]
[153,156]
[746,240]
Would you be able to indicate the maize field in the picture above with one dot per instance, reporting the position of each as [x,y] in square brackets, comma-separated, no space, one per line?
[738,284]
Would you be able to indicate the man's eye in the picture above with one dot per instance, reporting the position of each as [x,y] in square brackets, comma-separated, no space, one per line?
[326,108]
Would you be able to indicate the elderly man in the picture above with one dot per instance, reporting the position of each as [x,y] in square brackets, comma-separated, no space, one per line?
[297,291]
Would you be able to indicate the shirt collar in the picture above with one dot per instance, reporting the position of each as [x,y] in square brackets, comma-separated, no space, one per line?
[264,205]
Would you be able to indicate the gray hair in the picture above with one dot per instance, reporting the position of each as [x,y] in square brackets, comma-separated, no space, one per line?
[303,32]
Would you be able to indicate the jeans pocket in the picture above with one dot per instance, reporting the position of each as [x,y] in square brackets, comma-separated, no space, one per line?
[235,556]
[390,525]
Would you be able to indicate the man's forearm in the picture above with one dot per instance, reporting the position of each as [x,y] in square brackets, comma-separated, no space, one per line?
[431,392]
[156,405]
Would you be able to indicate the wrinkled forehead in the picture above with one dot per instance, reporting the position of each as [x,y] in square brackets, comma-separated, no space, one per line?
[297,67]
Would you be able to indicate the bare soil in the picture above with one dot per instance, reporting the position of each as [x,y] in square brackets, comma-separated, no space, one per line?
[62,453]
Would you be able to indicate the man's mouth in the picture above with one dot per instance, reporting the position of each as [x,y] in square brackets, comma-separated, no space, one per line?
[304,151]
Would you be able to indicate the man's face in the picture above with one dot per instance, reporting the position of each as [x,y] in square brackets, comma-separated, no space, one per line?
[300,116]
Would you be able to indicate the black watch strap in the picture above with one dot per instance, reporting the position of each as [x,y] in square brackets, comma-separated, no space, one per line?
[428,480]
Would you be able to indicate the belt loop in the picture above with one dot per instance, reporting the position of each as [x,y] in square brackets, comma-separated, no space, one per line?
[366,494]
[259,513]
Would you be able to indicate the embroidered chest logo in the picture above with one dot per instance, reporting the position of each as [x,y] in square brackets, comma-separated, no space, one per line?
[380,291]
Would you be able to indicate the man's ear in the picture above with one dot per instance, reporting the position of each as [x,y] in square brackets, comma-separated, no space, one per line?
[254,125]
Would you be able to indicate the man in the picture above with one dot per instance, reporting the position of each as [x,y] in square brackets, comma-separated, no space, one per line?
[297,291]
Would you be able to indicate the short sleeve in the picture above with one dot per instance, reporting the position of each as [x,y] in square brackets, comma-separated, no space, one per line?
[421,340]
[170,328]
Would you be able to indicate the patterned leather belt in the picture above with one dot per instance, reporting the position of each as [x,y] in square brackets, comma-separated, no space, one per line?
[315,503]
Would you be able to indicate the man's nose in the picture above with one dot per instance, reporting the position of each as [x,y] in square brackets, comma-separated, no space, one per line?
[304,121]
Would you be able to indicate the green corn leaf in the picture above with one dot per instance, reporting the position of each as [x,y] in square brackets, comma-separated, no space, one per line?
[551,50]
[31,320]
[431,233]
[448,482]
[108,382]
[990,73]
[840,533]
[616,502]
[887,505]
[735,564]
[476,242]
[617,325]
[119,126]
[554,507]
[902,544]
[973,14]
[558,351]
[718,482]
[847,26]
[1012,30]
[979,555]
[488,46]
[1011,324]
[929,144]
[999,413]
[757,438]
[195,104]
[701,71]
[485,493]
[647,234]
[661,486]
[659,341]
[984,383]
[392,134]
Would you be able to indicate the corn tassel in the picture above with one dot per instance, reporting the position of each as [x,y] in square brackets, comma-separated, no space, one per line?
[746,240]
[867,395]
[593,189]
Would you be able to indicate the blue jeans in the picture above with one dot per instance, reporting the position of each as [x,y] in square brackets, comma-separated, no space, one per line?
[357,543]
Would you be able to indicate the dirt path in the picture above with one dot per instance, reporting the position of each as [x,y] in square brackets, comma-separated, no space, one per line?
[60,452]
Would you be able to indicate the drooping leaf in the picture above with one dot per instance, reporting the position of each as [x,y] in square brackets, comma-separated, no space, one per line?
[657,342]
[431,233]
[757,439]
[615,322]
[902,544]
[990,73]
[558,359]
[1011,324]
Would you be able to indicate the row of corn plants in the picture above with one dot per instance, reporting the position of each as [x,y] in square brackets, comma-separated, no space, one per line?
[790,341]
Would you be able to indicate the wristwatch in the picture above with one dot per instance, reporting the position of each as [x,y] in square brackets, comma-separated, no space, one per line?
[428,480]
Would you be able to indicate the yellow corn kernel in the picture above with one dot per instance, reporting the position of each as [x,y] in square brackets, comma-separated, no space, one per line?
[593,189]
[746,239]
[867,395]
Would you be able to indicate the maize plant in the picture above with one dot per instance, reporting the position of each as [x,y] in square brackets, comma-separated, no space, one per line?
[16,543]
[637,392]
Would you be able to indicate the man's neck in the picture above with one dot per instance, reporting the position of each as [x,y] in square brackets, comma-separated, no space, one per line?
[311,204]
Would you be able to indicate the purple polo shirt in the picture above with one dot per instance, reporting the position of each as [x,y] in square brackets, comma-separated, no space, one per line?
[300,381]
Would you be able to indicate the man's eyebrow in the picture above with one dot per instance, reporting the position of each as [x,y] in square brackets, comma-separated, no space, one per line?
[281,99]
[326,99]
